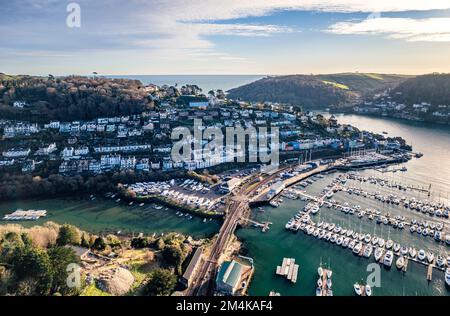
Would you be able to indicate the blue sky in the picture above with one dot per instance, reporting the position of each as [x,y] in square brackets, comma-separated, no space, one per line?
[226,37]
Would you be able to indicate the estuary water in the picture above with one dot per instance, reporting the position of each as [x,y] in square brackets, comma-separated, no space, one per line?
[268,249]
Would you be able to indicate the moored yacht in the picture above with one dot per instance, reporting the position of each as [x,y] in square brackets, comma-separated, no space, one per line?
[447,276]
[389,244]
[400,262]
[404,251]
[358,289]
[320,272]
[368,251]
[388,258]
[368,289]
[412,252]
[357,248]
[396,247]
[381,242]
[440,261]
[430,257]
[378,253]
[421,255]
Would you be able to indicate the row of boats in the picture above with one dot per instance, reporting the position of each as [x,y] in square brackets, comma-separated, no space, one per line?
[324,283]
[437,209]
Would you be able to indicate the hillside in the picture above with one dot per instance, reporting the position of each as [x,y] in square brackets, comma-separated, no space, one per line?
[431,88]
[70,98]
[315,91]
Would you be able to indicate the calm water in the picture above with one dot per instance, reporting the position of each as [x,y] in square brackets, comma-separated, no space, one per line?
[433,168]
[206,82]
[106,215]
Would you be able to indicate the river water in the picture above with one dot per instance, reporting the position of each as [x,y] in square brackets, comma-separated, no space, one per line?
[268,249]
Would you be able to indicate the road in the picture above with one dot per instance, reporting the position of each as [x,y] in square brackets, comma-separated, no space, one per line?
[203,282]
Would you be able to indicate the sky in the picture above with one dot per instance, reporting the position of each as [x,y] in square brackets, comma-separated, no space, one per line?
[268,37]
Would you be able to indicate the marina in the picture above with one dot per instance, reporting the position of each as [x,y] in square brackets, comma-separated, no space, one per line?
[425,180]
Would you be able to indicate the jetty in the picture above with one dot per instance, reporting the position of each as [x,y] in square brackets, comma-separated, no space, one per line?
[20,215]
[288,269]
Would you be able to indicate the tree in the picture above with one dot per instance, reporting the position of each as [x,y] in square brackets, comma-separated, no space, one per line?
[68,235]
[159,244]
[60,259]
[173,255]
[32,266]
[161,283]
[99,244]
[139,243]
[84,241]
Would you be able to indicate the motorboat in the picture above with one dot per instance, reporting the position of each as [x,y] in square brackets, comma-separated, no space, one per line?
[396,247]
[329,283]
[368,289]
[368,251]
[430,257]
[333,238]
[404,251]
[381,242]
[357,248]
[440,261]
[421,255]
[329,274]
[318,291]
[378,253]
[346,242]
[447,276]
[367,238]
[412,252]
[339,240]
[351,245]
[389,244]
[388,258]
[319,282]
[320,272]
[374,240]
[400,262]
[358,289]
[413,229]
[321,234]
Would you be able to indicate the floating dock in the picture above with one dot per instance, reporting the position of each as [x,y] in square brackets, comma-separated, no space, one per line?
[20,215]
[288,269]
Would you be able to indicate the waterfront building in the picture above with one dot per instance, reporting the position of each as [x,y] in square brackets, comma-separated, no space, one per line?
[192,267]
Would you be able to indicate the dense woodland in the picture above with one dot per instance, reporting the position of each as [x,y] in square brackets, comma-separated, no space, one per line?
[315,91]
[432,88]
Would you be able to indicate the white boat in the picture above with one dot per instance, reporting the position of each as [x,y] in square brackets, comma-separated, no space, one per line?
[367,238]
[368,251]
[346,242]
[440,261]
[421,255]
[329,274]
[320,272]
[389,244]
[339,240]
[352,244]
[404,251]
[319,282]
[400,262]
[447,276]
[318,292]
[358,289]
[368,290]
[412,252]
[333,238]
[329,283]
[378,253]
[396,247]
[430,257]
[381,242]
[374,240]
[388,258]
[357,248]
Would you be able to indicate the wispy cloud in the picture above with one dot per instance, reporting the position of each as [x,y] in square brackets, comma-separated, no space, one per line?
[413,30]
